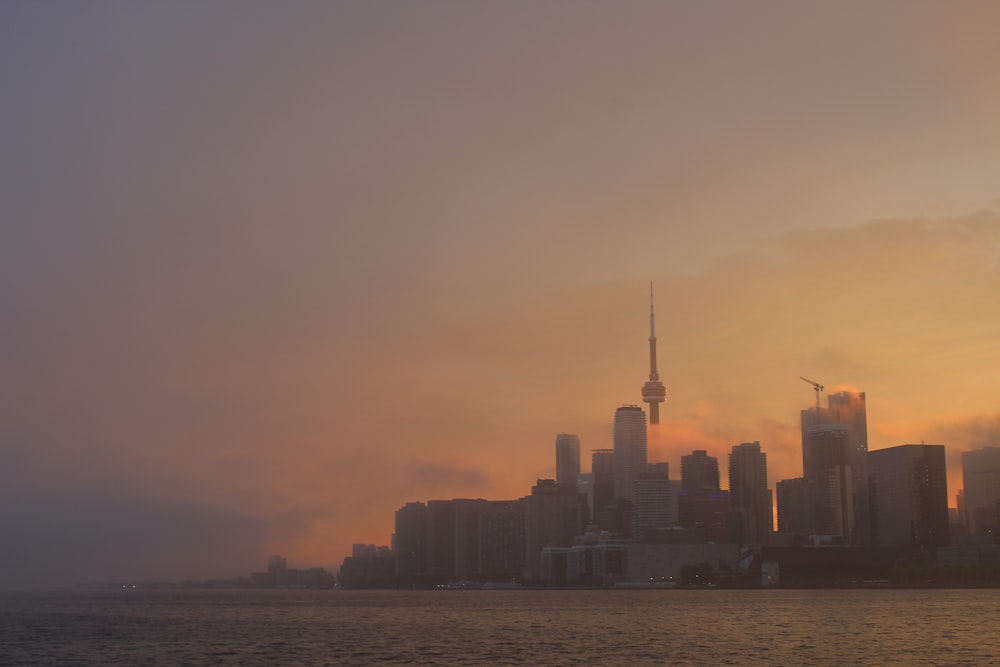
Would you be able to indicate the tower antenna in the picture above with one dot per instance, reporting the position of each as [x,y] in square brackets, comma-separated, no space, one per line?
[653,392]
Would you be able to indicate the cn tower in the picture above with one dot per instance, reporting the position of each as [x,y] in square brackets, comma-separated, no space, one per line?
[653,392]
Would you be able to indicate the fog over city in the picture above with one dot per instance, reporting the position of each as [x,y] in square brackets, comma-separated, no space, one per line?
[270,271]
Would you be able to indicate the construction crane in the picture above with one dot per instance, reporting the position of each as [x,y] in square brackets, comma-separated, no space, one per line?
[817,386]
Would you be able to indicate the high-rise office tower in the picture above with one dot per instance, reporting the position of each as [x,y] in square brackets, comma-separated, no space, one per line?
[749,497]
[981,479]
[652,501]
[699,471]
[849,408]
[630,448]
[653,392]
[467,515]
[796,515]
[701,504]
[567,461]
[501,540]
[602,467]
[441,539]
[551,520]
[909,496]
[825,465]
[409,543]
[835,460]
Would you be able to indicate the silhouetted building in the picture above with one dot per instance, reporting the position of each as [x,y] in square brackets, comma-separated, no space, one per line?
[468,513]
[585,487]
[652,501]
[653,392]
[630,448]
[835,459]
[276,565]
[279,575]
[581,559]
[441,539]
[410,540]
[909,496]
[554,564]
[702,507]
[609,561]
[796,503]
[699,471]
[705,514]
[825,464]
[367,566]
[501,540]
[567,461]
[602,466]
[834,567]
[981,479]
[751,514]
[551,520]
[971,551]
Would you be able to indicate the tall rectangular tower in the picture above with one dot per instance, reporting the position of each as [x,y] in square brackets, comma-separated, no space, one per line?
[701,504]
[825,464]
[501,540]
[441,539]
[602,467]
[630,448]
[849,407]
[749,498]
[981,479]
[796,514]
[567,461]
[409,543]
[835,460]
[652,505]
[699,471]
[551,520]
[910,496]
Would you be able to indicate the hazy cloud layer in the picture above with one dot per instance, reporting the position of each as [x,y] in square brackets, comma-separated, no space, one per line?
[448,479]
[267,272]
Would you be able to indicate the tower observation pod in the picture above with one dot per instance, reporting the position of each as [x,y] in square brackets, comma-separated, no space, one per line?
[653,392]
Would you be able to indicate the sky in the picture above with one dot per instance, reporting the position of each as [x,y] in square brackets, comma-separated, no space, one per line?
[271,270]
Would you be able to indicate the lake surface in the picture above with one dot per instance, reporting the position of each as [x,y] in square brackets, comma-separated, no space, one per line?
[524,627]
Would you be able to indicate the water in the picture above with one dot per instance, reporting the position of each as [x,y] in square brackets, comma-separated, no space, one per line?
[526,627]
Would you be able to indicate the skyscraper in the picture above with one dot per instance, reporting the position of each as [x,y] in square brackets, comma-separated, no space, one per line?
[749,497]
[653,392]
[441,539]
[701,504]
[848,407]
[630,448]
[796,514]
[910,496]
[699,471]
[567,461]
[551,520]
[409,543]
[602,467]
[652,506]
[981,479]
[501,540]
[467,516]
[825,465]
[835,460]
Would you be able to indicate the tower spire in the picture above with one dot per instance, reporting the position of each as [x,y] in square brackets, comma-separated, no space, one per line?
[652,337]
[653,392]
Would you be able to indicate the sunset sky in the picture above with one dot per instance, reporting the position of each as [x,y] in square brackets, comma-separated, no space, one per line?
[271,270]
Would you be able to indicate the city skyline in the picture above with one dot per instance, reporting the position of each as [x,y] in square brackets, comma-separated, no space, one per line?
[270,272]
